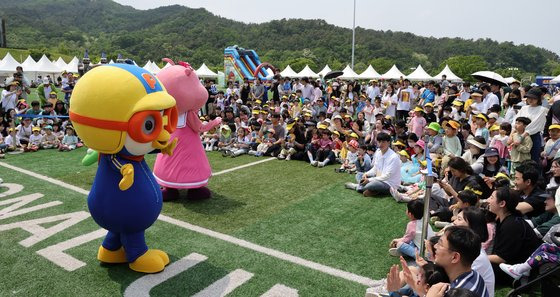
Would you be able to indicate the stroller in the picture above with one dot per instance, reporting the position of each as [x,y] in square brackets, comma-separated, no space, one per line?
[547,275]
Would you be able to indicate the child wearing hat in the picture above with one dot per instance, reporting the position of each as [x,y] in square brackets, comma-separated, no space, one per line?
[324,152]
[267,140]
[418,122]
[450,143]
[34,141]
[12,141]
[429,113]
[457,110]
[480,122]
[349,163]
[552,145]
[409,171]
[434,138]
[240,144]
[70,140]
[225,138]
[519,145]
[49,140]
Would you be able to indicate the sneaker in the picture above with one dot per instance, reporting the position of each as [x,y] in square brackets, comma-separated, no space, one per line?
[252,153]
[339,170]
[395,194]
[441,224]
[512,270]
[351,186]
[314,163]
[288,157]
[320,164]
[281,157]
[394,252]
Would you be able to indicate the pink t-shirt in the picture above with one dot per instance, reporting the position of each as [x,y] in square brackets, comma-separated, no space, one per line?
[418,124]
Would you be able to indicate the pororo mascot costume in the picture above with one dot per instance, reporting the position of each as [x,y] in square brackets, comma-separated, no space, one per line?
[123,112]
[188,167]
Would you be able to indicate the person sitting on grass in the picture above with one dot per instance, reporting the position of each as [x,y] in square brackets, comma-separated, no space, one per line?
[225,137]
[349,163]
[240,145]
[407,244]
[385,173]
[12,141]
[49,140]
[324,152]
[363,163]
[70,140]
[34,141]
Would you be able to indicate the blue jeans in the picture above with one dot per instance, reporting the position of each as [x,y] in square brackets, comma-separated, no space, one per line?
[408,249]
[375,186]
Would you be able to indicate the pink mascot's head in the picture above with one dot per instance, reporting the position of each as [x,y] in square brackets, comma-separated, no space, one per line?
[183,84]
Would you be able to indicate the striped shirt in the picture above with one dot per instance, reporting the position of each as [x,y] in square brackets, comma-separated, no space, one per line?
[471,281]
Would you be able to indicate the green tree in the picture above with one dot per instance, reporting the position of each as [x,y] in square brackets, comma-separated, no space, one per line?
[464,66]
[381,65]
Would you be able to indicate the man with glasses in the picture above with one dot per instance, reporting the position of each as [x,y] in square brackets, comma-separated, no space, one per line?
[386,171]
[456,250]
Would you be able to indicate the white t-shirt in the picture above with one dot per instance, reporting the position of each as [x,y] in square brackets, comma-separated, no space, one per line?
[390,103]
[404,98]
[491,100]
[8,100]
[482,265]
[386,168]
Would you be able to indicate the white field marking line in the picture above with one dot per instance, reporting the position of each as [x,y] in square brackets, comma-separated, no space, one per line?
[240,242]
[226,285]
[242,166]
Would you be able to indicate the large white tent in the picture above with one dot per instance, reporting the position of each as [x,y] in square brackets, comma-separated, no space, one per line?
[556,79]
[8,64]
[205,72]
[393,73]
[348,73]
[369,73]
[450,75]
[307,72]
[29,65]
[44,65]
[325,70]
[167,65]
[288,72]
[155,68]
[60,64]
[72,66]
[419,74]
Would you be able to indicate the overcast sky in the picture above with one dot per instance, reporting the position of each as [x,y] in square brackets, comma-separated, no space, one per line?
[519,21]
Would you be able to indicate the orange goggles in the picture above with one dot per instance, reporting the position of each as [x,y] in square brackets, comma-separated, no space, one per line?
[143,126]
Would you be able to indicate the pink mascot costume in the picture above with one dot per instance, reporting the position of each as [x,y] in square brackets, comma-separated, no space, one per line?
[188,167]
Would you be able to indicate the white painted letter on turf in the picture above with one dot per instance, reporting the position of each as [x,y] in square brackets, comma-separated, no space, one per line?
[55,253]
[10,211]
[12,189]
[39,233]
[142,286]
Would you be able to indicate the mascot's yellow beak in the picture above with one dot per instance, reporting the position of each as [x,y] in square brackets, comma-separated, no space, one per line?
[162,140]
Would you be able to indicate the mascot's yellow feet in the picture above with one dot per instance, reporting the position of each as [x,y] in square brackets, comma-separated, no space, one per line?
[151,262]
[107,256]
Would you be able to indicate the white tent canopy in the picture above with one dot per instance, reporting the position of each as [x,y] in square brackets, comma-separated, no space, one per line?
[167,65]
[60,64]
[307,72]
[554,80]
[155,68]
[148,66]
[9,64]
[393,73]
[348,73]
[450,75]
[73,65]
[111,61]
[204,71]
[419,74]
[325,70]
[44,65]
[29,65]
[369,73]
[288,72]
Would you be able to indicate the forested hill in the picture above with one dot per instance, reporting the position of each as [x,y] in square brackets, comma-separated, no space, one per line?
[196,35]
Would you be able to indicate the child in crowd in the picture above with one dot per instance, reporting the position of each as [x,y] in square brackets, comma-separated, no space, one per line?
[480,121]
[12,141]
[25,131]
[225,139]
[349,164]
[434,139]
[457,112]
[337,143]
[240,145]
[378,108]
[70,141]
[266,141]
[500,141]
[49,140]
[408,244]
[210,138]
[418,122]
[323,155]
[34,140]
[409,171]
[552,145]
[520,145]
[288,148]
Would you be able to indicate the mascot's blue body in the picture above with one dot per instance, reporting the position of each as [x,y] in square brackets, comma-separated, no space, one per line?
[123,112]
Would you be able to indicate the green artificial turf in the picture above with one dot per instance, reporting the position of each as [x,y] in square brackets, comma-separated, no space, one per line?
[284,205]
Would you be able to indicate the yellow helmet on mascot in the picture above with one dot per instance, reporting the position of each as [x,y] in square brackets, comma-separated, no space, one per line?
[112,101]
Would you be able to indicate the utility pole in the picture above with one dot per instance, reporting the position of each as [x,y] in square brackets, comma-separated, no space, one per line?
[353,34]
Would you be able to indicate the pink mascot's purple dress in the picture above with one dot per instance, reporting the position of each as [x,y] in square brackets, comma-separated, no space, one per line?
[188,167]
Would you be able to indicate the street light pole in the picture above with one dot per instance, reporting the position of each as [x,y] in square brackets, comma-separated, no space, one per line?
[353,33]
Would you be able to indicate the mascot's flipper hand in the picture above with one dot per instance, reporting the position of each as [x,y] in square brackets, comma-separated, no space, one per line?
[91,157]
[168,150]
[127,172]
